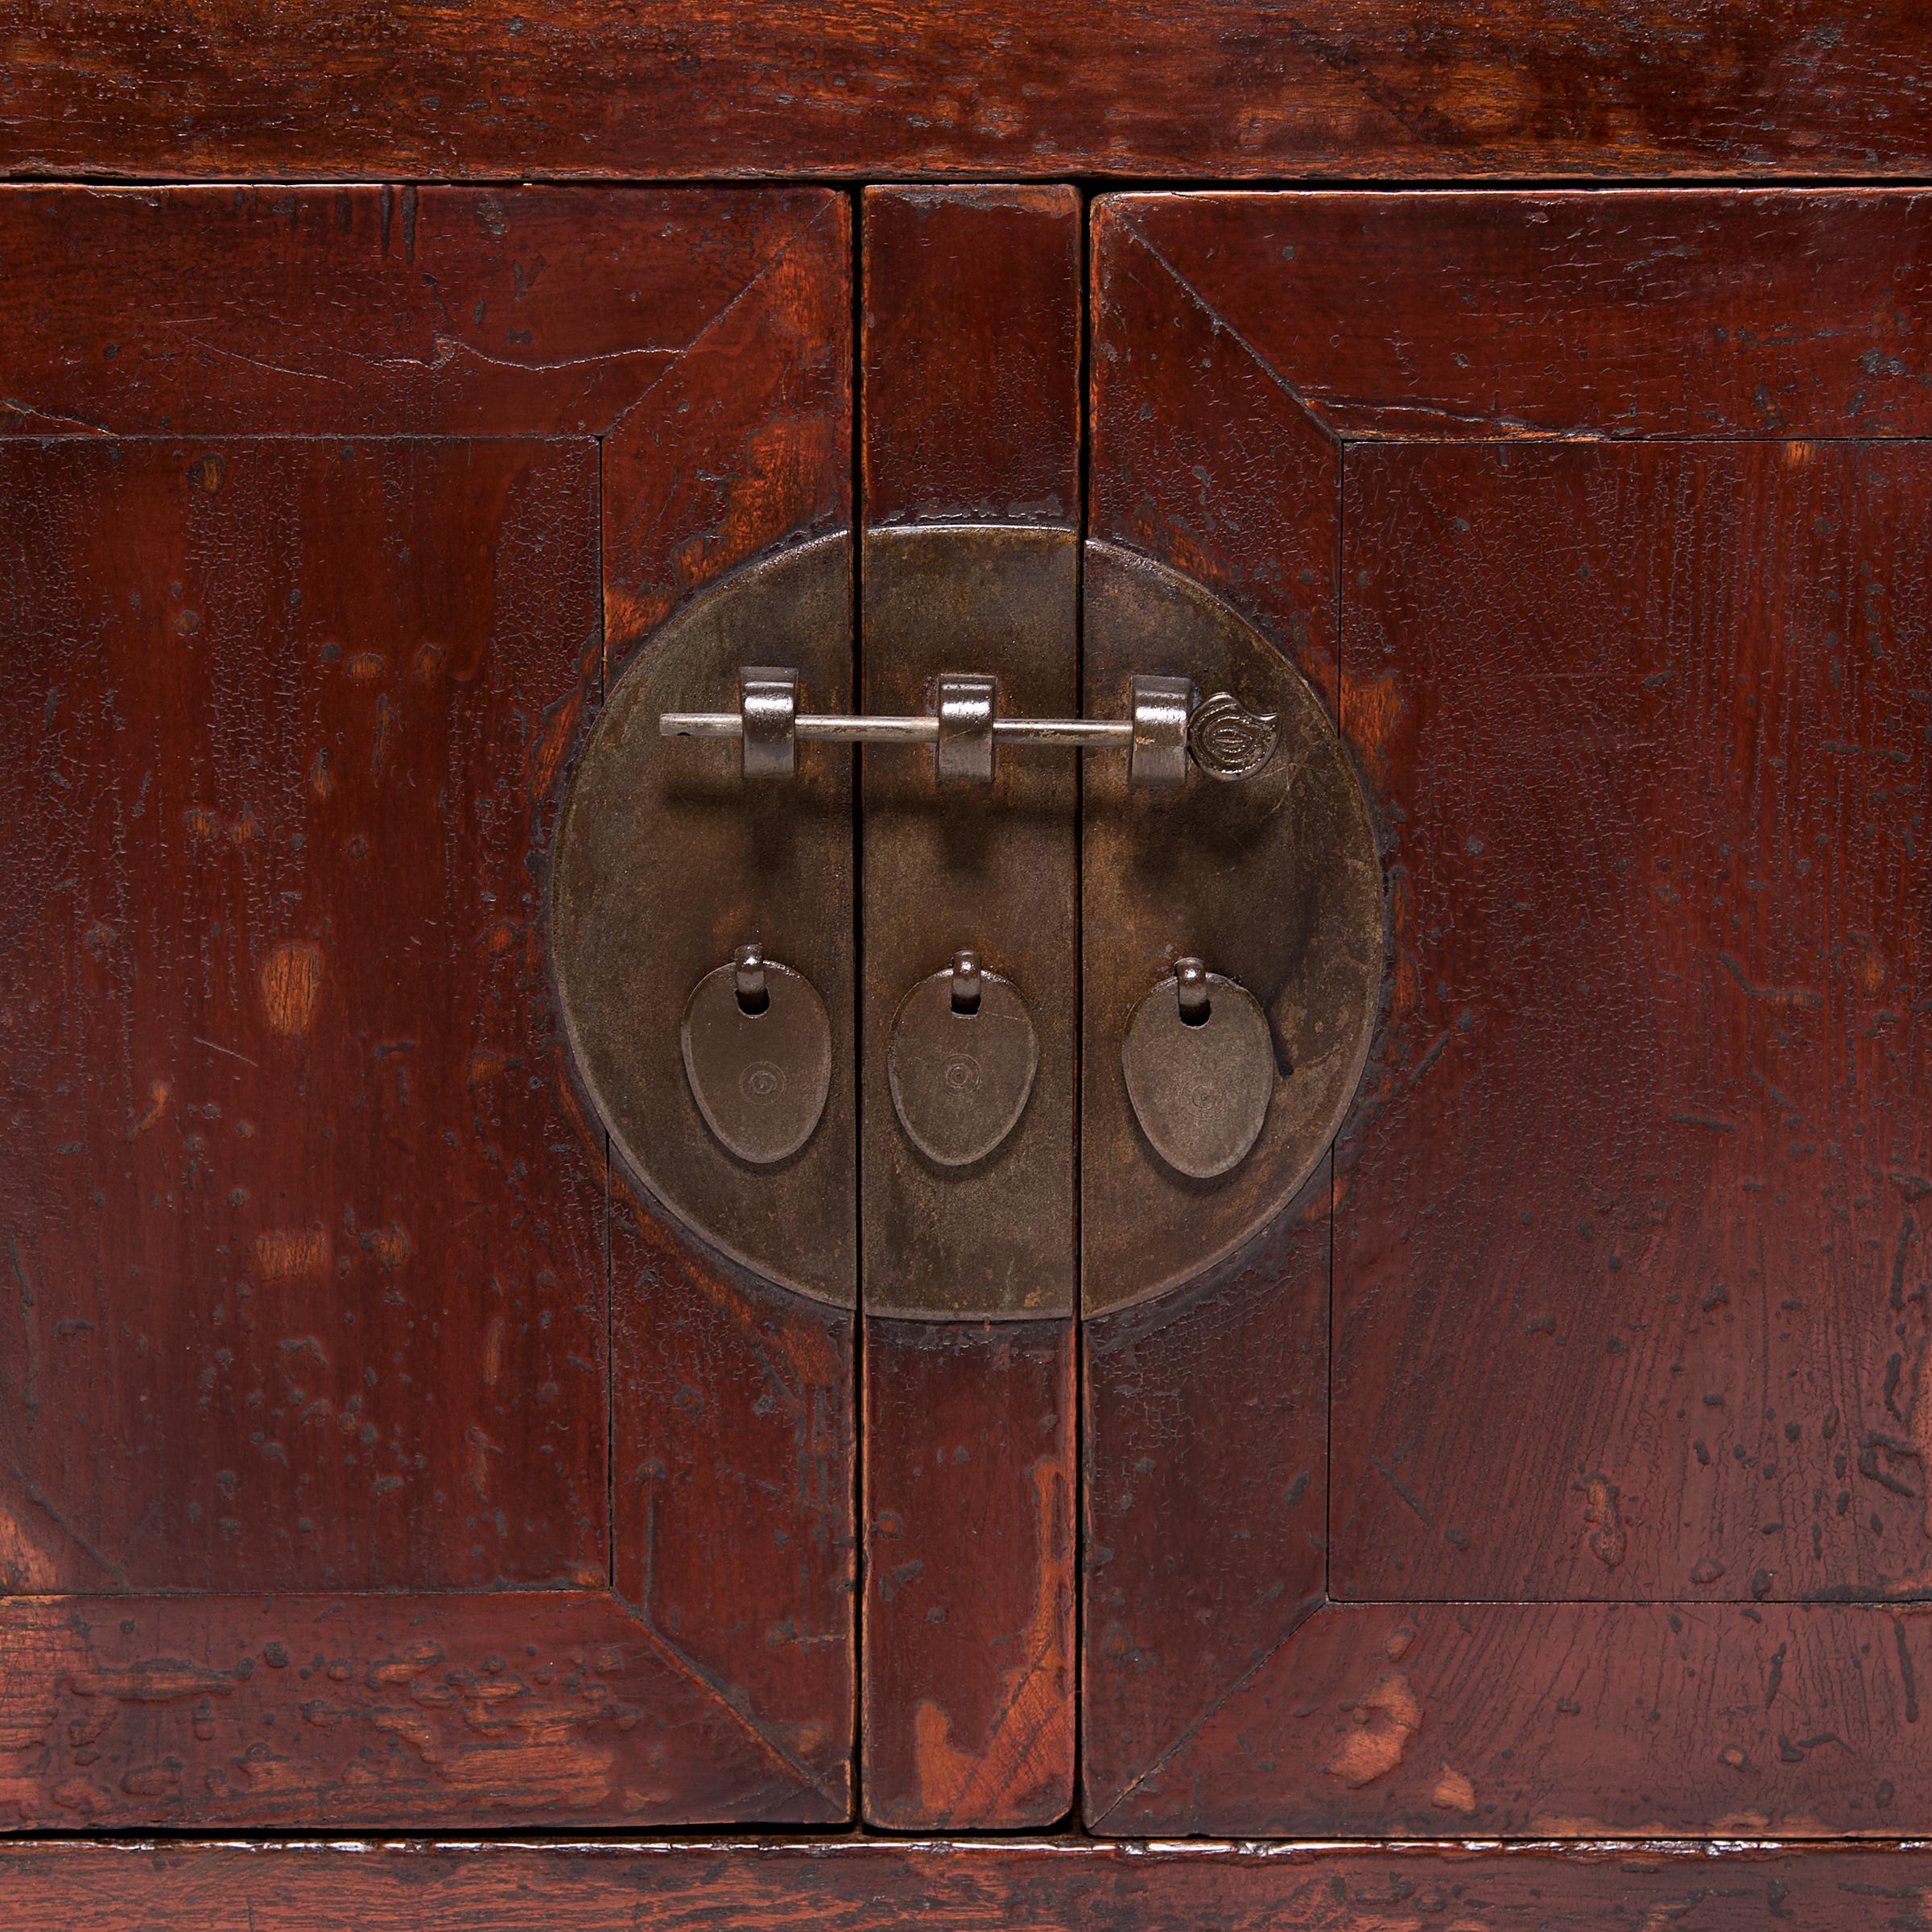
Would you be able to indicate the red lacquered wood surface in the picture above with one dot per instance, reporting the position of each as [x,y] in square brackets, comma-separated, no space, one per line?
[1627,1243]
[476,1709]
[1206,1413]
[1221,90]
[1654,1189]
[961,1886]
[255,1334]
[969,1667]
[321,1283]
[972,343]
[1621,314]
[970,413]
[1562,1721]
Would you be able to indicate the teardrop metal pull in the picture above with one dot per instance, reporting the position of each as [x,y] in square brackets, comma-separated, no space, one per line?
[1199,1057]
[757,1052]
[960,1062]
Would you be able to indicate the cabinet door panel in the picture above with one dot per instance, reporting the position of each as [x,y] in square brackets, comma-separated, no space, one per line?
[1579,1451]
[371,1455]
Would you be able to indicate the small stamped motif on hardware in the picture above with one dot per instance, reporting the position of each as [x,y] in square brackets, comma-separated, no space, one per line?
[757,1052]
[961,1061]
[1229,741]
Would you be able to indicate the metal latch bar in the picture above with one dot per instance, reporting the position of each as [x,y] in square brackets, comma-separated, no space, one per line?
[1168,729]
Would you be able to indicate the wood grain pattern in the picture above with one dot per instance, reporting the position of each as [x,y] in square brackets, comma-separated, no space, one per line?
[1562,1720]
[971,407]
[1649,1167]
[734,1405]
[1206,1413]
[387,1710]
[311,1253]
[1621,314]
[969,1689]
[282,1305]
[1225,89]
[365,311]
[972,343]
[937,1886]
[1634,664]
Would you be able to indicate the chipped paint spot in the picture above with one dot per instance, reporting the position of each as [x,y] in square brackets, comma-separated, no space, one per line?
[1027,1739]
[1453,1792]
[481,1449]
[159,1680]
[284,1254]
[1872,972]
[367,667]
[492,1350]
[159,1093]
[1384,1722]
[390,1245]
[1372,707]
[1609,1541]
[291,985]
[211,828]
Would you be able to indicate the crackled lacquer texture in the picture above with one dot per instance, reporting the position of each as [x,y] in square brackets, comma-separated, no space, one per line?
[1560,1477]
[369,1454]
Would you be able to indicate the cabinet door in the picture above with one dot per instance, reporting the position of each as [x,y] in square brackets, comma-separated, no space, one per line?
[368,1454]
[1560,1467]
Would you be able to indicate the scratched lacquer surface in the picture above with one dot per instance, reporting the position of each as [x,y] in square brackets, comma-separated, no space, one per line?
[1591,1495]
[367,1454]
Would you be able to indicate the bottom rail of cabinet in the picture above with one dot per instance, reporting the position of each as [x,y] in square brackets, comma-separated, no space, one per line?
[989,1885]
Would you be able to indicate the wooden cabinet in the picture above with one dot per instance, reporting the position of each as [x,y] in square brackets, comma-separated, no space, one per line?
[377,1454]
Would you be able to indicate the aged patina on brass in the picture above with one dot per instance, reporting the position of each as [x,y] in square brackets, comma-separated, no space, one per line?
[992,867]
[960,1062]
[1198,1060]
[666,863]
[757,1052]
[1231,939]
[1275,882]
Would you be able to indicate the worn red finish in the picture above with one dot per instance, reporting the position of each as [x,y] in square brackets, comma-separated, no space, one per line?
[1621,1403]
[322,509]
[935,1885]
[1555,1470]
[969,1664]
[970,413]
[1220,90]
[972,341]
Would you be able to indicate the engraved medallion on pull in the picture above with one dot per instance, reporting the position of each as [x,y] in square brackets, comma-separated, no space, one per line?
[757,1052]
[960,1062]
[1200,1064]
